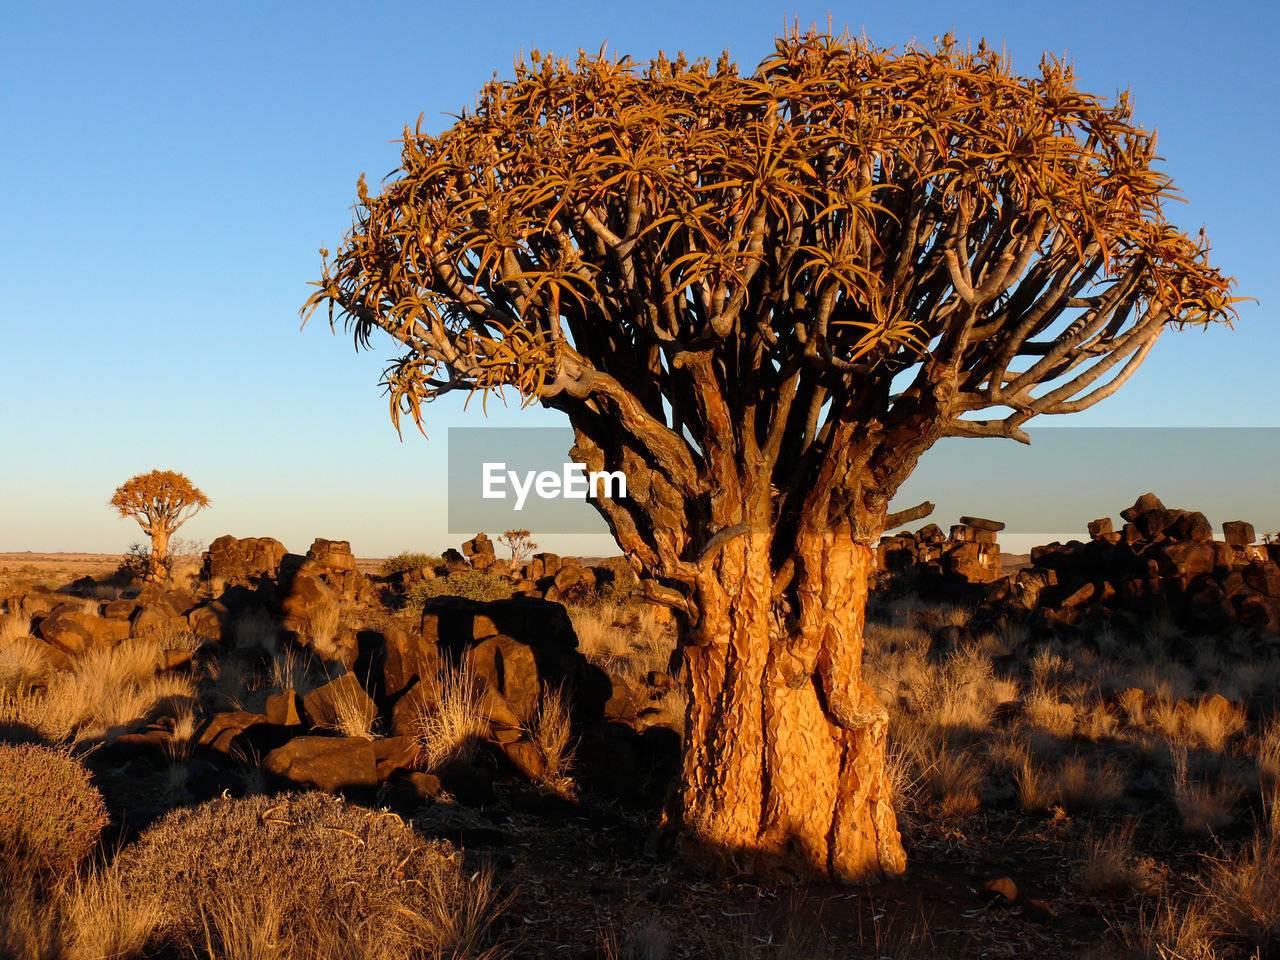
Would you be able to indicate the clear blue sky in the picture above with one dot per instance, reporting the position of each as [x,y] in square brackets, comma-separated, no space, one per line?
[170,170]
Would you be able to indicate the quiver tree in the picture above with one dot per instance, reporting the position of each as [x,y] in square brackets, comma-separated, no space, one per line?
[161,501]
[764,297]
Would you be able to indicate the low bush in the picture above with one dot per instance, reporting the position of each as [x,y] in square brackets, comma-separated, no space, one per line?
[469,584]
[51,814]
[408,561]
[308,869]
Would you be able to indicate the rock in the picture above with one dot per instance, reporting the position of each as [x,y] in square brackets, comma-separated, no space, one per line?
[155,621]
[334,554]
[469,784]
[1079,597]
[995,526]
[1264,578]
[1184,558]
[120,609]
[608,759]
[210,620]
[1261,612]
[975,562]
[255,557]
[1154,523]
[1037,911]
[622,702]
[509,668]
[479,545]
[392,754]
[999,888]
[1238,533]
[407,660]
[327,706]
[37,602]
[1146,502]
[1192,525]
[284,709]
[1100,528]
[223,731]
[331,764]
[69,627]
[526,758]
[179,659]
[409,708]
[307,596]
[408,790]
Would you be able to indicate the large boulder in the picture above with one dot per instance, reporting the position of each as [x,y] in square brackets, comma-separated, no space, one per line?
[229,558]
[339,702]
[331,764]
[74,630]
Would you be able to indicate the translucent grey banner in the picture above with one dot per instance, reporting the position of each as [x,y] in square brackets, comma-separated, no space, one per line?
[1066,477]
[505,478]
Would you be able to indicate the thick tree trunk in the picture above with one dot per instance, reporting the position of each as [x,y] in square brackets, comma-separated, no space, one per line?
[785,743]
[158,571]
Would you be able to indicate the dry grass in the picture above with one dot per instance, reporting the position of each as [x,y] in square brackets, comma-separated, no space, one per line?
[950,778]
[107,692]
[322,630]
[1204,806]
[1170,931]
[551,732]
[453,725]
[1109,865]
[306,877]
[353,713]
[23,662]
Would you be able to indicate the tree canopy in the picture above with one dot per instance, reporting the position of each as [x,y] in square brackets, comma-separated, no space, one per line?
[920,240]
[161,501]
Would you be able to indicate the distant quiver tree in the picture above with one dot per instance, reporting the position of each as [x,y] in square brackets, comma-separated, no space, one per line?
[161,501]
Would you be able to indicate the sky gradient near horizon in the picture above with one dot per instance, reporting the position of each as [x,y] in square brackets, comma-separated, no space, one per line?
[172,169]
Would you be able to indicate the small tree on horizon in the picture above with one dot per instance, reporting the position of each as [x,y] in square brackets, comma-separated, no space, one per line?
[161,501]
[763,297]
[519,543]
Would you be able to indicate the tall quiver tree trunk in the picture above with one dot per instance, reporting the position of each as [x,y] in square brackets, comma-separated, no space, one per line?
[785,743]
[158,565]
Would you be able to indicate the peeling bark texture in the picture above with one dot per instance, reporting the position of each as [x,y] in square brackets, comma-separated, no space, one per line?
[785,743]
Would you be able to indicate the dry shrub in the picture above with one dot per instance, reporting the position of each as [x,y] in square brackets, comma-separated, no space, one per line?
[1204,806]
[1268,758]
[951,778]
[1046,711]
[624,638]
[551,732]
[353,715]
[1169,931]
[322,629]
[329,878]
[1110,866]
[102,920]
[1243,892]
[51,815]
[13,628]
[1211,722]
[455,723]
[23,662]
[1078,786]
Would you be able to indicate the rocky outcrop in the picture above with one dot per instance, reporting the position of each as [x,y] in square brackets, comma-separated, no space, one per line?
[1161,560]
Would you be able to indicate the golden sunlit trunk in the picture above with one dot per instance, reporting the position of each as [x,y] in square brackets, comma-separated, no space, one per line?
[785,743]
[158,568]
